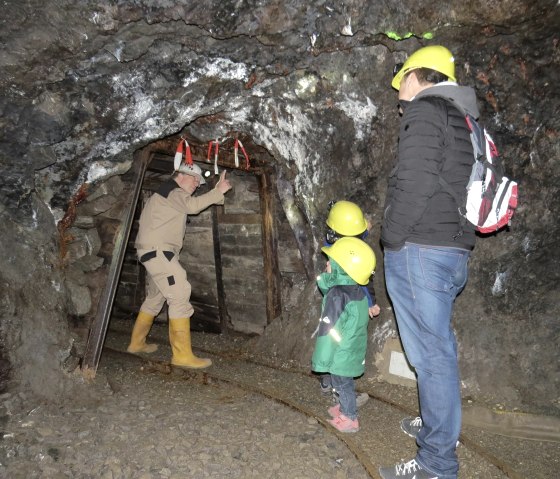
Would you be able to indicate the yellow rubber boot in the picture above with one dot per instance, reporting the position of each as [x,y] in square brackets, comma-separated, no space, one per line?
[180,339]
[140,330]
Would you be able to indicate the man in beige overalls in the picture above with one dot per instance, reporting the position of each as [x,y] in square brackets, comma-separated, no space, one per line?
[159,241]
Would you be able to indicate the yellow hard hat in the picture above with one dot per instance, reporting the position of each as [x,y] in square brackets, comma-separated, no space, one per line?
[354,256]
[346,219]
[435,57]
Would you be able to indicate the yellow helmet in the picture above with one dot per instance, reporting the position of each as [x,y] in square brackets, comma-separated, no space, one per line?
[346,219]
[435,57]
[354,256]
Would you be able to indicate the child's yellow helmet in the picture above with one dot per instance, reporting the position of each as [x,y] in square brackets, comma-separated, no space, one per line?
[354,256]
[435,57]
[346,219]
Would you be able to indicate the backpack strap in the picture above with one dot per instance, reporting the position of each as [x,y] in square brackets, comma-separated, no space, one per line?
[459,200]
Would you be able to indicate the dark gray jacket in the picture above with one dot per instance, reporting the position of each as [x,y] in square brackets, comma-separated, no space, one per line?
[434,140]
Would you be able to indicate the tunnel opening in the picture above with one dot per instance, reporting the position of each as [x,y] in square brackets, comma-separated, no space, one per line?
[223,252]
[241,258]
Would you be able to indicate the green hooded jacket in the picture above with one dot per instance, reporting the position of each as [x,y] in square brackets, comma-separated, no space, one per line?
[342,335]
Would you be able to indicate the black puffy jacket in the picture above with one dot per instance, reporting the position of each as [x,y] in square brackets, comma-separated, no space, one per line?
[434,140]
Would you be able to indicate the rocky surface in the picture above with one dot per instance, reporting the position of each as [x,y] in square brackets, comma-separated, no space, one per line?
[150,426]
[144,420]
[86,84]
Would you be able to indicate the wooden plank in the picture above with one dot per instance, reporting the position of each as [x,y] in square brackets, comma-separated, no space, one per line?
[204,301]
[249,313]
[270,248]
[244,287]
[241,219]
[248,261]
[217,211]
[239,244]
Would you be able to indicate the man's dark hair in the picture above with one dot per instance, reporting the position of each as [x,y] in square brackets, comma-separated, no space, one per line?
[427,75]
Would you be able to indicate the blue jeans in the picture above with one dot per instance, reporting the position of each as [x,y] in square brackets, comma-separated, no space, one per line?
[346,390]
[423,282]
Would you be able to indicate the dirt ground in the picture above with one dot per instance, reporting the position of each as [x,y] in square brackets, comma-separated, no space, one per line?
[239,419]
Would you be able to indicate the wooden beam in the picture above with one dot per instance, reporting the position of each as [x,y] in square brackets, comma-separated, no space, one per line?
[241,219]
[162,161]
[217,211]
[270,248]
[100,323]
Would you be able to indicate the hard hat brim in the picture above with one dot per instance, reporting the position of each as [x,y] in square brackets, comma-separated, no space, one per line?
[200,177]
[186,170]
[396,83]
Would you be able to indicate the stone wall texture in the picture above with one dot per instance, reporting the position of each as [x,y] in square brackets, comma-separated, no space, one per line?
[83,85]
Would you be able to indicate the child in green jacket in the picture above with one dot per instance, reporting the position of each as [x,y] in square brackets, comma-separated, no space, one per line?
[346,218]
[341,343]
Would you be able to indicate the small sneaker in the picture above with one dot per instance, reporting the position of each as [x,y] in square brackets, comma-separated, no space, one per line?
[406,470]
[326,387]
[361,399]
[334,411]
[345,424]
[411,426]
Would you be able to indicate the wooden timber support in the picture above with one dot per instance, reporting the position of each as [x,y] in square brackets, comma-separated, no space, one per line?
[100,323]
[159,156]
[217,212]
[270,248]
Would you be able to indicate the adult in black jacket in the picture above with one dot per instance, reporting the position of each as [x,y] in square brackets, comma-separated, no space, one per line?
[427,247]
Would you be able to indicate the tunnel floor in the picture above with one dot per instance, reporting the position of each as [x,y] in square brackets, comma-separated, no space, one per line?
[244,417]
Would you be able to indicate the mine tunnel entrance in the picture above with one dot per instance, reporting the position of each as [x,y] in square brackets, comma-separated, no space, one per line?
[233,273]
[239,257]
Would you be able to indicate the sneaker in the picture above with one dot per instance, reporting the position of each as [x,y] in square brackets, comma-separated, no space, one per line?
[334,411]
[406,470]
[361,399]
[325,383]
[411,426]
[345,424]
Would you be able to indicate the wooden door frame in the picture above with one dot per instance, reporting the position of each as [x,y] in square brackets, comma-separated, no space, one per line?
[272,278]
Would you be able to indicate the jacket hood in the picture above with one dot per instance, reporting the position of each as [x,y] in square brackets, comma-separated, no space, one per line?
[462,96]
[336,277]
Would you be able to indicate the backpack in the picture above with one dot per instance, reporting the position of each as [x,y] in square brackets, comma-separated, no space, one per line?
[490,198]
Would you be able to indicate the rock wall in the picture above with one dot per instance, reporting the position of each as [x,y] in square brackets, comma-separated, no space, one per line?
[86,84]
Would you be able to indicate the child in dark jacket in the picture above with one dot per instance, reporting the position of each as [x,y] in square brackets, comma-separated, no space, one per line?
[341,343]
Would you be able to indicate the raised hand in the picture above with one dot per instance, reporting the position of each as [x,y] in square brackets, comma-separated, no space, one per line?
[223,184]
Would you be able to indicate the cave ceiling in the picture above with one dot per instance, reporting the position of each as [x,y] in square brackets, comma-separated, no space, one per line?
[84,85]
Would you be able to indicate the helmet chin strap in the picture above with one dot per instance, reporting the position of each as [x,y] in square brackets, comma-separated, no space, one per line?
[331,236]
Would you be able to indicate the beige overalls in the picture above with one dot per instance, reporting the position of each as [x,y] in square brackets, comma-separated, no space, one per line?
[159,241]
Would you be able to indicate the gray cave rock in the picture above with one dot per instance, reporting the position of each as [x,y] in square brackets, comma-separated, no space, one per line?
[306,86]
